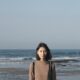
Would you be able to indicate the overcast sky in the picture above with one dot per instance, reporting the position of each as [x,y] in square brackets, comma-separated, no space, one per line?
[25,23]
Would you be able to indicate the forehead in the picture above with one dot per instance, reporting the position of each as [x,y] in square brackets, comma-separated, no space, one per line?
[42,48]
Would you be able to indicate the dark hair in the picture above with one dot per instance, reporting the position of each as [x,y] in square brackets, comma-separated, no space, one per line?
[48,56]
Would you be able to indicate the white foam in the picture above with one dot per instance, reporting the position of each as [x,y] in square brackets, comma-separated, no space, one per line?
[66,58]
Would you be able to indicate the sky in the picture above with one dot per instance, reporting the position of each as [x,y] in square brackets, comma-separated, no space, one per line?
[26,23]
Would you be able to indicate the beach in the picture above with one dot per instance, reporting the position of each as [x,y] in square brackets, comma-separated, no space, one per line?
[21,73]
[14,64]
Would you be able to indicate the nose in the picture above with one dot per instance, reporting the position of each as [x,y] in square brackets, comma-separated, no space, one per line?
[43,52]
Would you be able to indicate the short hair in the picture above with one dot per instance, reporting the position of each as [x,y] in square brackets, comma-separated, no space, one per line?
[48,56]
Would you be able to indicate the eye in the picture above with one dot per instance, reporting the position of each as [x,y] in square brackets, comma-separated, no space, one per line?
[45,51]
[40,50]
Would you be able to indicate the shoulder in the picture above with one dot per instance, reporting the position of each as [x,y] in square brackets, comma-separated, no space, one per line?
[52,63]
[31,64]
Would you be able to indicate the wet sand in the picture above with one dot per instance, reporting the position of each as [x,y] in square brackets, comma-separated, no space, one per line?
[11,73]
[22,74]
[25,71]
[18,71]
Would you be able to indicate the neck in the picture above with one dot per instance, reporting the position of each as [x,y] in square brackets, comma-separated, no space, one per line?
[42,59]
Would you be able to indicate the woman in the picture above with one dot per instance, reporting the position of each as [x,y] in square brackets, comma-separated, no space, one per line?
[42,68]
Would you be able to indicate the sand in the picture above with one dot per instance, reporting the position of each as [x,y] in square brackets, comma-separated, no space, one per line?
[18,71]
[22,74]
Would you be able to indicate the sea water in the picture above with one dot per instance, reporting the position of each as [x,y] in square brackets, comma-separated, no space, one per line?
[21,59]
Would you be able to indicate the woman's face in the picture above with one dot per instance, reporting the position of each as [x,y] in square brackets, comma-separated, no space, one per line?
[42,52]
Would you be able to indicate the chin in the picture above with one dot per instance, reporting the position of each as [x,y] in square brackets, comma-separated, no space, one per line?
[42,58]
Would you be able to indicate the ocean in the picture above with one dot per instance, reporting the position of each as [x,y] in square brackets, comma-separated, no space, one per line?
[67,62]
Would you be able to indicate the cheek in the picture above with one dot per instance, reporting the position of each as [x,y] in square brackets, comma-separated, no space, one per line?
[45,54]
[39,53]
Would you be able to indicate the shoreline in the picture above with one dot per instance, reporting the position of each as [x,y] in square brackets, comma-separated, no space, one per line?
[22,71]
